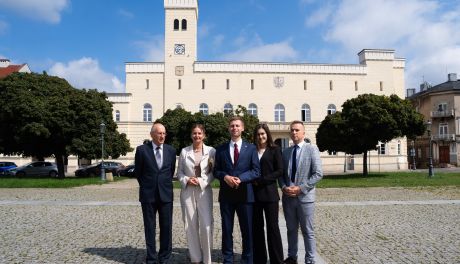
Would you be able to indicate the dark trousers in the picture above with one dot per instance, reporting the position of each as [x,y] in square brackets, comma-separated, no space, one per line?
[275,244]
[244,213]
[149,211]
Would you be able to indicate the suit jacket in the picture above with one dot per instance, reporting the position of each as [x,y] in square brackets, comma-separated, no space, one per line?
[247,169]
[309,171]
[271,167]
[186,165]
[155,182]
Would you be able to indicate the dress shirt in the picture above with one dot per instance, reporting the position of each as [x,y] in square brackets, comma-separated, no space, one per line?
[238,143]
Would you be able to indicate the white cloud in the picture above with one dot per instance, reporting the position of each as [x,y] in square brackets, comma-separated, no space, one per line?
[218,40]
[280,51]
[3,27]
[152,49]
[86,73]
[423,31]
[320,16]
[46,10]
[125,13]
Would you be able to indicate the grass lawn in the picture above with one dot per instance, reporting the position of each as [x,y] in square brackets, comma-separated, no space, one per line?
[390,179]
[46,182]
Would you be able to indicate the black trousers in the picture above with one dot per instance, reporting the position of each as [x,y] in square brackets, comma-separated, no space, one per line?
[149,211]
[275,244]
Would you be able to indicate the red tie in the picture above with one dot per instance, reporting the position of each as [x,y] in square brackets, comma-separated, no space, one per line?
[236,154]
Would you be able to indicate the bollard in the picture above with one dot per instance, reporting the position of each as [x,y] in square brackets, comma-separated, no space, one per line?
[109,176]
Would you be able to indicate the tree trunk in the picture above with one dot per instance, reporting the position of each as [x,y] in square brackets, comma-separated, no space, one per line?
[365,173]
[60,165]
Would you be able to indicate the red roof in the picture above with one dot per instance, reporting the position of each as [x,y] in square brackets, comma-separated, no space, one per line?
[9,70]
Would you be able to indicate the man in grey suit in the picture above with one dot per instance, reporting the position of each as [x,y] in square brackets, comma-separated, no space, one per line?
[302,170]
[155,163]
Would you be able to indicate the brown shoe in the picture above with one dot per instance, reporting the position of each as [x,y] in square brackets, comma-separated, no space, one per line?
[290,260]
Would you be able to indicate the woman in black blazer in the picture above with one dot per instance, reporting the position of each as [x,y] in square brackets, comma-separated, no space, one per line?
[267,198]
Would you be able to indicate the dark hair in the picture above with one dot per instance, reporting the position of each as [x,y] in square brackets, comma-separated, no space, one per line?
[200,126]
[234,118]
[267,131]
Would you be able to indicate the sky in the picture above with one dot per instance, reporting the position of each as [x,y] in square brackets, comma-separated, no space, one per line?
[87,42]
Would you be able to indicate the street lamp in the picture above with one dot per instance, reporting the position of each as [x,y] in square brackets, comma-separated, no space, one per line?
[412,154]
[430,158]
[102,127]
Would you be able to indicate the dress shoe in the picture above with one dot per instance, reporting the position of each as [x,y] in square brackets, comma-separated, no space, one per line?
[290,260]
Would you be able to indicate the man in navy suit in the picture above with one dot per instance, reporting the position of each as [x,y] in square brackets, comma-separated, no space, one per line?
[155,163]
[236,166]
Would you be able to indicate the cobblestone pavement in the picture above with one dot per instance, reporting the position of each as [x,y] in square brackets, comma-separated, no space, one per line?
[103,224]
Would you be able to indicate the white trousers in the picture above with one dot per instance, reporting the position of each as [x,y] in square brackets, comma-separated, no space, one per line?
[198,222]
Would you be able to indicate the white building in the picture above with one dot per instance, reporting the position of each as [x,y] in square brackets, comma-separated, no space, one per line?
[277,93]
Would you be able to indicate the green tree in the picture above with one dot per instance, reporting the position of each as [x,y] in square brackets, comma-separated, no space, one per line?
[178,123]
[367,120]
[44,116]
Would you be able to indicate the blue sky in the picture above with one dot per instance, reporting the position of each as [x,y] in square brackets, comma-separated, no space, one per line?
[87,42]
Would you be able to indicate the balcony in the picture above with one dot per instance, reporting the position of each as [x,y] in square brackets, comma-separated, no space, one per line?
[443,137]
[279,126]
[445,113]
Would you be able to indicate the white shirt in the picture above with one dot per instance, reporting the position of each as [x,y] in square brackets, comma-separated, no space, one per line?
[155,152]
[232,148]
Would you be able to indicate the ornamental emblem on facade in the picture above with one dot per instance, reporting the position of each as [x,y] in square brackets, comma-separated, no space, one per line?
[278,82]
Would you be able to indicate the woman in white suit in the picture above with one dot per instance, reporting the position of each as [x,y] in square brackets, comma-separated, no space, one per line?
[194,172]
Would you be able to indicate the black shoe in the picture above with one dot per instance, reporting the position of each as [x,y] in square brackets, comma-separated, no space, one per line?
[290,260]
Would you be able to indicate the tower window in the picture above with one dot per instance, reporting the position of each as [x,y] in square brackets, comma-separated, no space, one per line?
[179,84]
[381,86]
[202,84]
[331,85]
[184,24]
[176,24]
[252,84]
[147,83]
[305,85]
[228,84]
[356,85]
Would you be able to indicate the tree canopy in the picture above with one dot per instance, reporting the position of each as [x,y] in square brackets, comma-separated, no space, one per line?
[45,116]
[367,120]
[178,123]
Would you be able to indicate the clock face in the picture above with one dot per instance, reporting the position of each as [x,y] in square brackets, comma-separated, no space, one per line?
[179,49]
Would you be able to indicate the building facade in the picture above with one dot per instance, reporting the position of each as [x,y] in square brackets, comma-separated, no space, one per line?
[276,92]
[440,104]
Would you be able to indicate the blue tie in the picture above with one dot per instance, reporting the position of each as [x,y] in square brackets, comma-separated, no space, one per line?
[294,163]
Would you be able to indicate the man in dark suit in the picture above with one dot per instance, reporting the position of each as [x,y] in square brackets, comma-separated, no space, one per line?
[236,166]
[155,163]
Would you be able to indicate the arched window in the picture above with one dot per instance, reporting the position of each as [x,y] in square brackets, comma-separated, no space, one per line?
[228,107]
[305,113]
[331,109]
[117,116]
[204,109]
[147,113]
[176,24]
[184,24]
[279,113]
[252,109]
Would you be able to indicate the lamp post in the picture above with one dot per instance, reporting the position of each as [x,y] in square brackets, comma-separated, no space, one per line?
[430,158]
[102,127]
[412,154]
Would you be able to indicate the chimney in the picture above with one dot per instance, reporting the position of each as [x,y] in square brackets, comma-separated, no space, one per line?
[410,92]
[452,77]
[4,63]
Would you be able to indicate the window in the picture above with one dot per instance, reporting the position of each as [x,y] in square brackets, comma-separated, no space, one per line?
[331,109]
[382,149]
[305,85]
[117,116]
[176,24]
[202,84]
[252,109]
[443,129]
[184,24]
[228,84]
[399,147]
[204,109]
[252,84]
[305,113]
[381,86]
[147,83]
[147,113]
[279,113]
[331,85]
[356,85]
[332,152]
[442,107]
[228,107]
[179,84]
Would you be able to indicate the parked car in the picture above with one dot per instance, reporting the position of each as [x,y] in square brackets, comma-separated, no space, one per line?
[36,168]
[127,171]
[95,169]
[5,166]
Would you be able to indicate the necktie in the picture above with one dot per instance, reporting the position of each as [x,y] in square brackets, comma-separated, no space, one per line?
[236,154]
[294,163]
[158,156]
